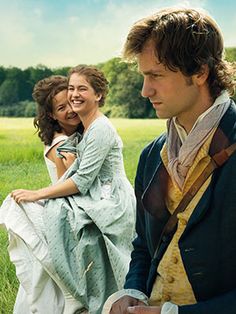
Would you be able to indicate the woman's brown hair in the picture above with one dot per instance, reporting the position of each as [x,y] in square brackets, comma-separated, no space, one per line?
[43,93]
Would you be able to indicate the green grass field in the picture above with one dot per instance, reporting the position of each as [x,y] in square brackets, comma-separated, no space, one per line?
[22,166]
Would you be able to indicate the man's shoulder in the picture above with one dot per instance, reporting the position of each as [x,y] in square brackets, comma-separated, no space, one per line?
[155,146]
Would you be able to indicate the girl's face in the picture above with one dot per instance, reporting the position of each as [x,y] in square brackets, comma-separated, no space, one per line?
[63,113]
[81,95]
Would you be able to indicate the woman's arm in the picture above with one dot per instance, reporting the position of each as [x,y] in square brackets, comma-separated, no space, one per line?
[97,146]
[61,189]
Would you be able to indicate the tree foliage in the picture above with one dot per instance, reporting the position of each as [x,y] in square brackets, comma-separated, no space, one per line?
[124,98]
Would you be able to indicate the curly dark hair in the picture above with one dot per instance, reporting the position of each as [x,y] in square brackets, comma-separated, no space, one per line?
[43,93]
[185,39]
[95,78]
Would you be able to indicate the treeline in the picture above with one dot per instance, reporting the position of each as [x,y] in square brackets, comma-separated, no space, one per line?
[124,98]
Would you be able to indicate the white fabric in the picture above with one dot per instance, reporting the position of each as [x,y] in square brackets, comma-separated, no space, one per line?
[40,290]
[181,155]
[121,293]
[52,171]
[169,308]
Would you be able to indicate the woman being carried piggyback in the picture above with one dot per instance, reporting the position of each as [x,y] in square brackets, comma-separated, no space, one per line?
[55,121]
[39,289]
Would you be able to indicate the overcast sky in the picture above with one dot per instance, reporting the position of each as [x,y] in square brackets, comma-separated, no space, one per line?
[60,33]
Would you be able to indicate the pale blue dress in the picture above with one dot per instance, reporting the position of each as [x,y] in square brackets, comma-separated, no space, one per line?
[89,234]
[83,241]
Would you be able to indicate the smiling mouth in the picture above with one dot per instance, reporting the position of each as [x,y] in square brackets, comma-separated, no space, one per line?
[77,102]
[73,116]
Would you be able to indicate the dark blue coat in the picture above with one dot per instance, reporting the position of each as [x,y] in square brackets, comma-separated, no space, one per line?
[208,244]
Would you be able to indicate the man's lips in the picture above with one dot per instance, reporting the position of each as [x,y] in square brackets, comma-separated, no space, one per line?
[156,103]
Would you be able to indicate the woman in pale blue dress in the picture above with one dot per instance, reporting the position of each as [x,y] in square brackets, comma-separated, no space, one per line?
[88,233]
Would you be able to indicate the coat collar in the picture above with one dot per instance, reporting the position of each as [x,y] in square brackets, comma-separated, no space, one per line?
[156,176]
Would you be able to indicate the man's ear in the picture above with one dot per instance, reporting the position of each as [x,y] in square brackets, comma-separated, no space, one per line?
[201,77]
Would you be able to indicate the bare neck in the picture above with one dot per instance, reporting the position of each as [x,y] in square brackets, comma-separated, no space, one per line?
[203,102]
[89,118]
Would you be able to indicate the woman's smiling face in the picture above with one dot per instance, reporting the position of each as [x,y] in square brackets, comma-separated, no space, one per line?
[81,95]
[62,111]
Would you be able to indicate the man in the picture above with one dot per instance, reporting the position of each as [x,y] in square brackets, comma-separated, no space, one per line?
[180,55]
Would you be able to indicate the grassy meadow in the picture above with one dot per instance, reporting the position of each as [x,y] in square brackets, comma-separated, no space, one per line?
[22,166]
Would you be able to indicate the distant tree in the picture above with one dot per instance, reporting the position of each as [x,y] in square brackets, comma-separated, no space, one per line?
[2,74]
[38,73]
[61,71]
[124,98]
[9,93]
[30,109]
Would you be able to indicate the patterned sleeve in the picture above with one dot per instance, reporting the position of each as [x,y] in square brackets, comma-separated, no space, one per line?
[98,141]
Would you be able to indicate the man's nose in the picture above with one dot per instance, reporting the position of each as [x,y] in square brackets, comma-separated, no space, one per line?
[147,89]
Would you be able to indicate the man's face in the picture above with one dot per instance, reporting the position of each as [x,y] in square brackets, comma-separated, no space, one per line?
[171,93]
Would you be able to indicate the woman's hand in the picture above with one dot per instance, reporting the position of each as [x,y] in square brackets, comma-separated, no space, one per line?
[68,159]
[25,195]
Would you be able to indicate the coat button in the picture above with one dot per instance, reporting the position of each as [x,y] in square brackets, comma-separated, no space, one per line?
[166,298]
[170,279]
[183,221]
[174,260]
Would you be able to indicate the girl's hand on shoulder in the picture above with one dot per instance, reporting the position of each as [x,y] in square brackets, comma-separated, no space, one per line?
[68,159]
[25,195]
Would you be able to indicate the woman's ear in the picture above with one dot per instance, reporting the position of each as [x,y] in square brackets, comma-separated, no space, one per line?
[51,115]
[98,97]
